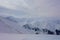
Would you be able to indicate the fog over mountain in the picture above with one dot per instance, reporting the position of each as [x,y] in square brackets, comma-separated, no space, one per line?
[29,19]
[11,24]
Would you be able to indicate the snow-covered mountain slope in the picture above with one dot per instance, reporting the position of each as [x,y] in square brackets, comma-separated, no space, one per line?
[9,26]
[30,25]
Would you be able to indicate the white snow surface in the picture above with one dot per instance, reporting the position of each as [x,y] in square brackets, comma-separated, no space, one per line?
[4,36]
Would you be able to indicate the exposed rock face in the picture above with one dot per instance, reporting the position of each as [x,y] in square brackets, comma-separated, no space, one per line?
[57,32]
[38,30]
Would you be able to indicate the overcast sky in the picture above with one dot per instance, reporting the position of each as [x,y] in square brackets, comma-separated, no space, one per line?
[30,8]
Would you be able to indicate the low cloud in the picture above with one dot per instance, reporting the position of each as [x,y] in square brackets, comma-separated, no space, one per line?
[33,8]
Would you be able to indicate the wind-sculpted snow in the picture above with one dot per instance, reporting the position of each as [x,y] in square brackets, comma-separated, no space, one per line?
[30,25]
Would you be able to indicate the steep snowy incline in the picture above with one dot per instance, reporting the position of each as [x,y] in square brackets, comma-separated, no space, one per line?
[7,26]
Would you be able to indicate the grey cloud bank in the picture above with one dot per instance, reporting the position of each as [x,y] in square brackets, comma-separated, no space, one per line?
[33,8]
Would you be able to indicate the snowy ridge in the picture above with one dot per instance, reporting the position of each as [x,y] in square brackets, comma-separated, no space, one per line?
[30,25]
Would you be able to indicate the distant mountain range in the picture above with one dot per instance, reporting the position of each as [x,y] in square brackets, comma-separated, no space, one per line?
[11,24]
